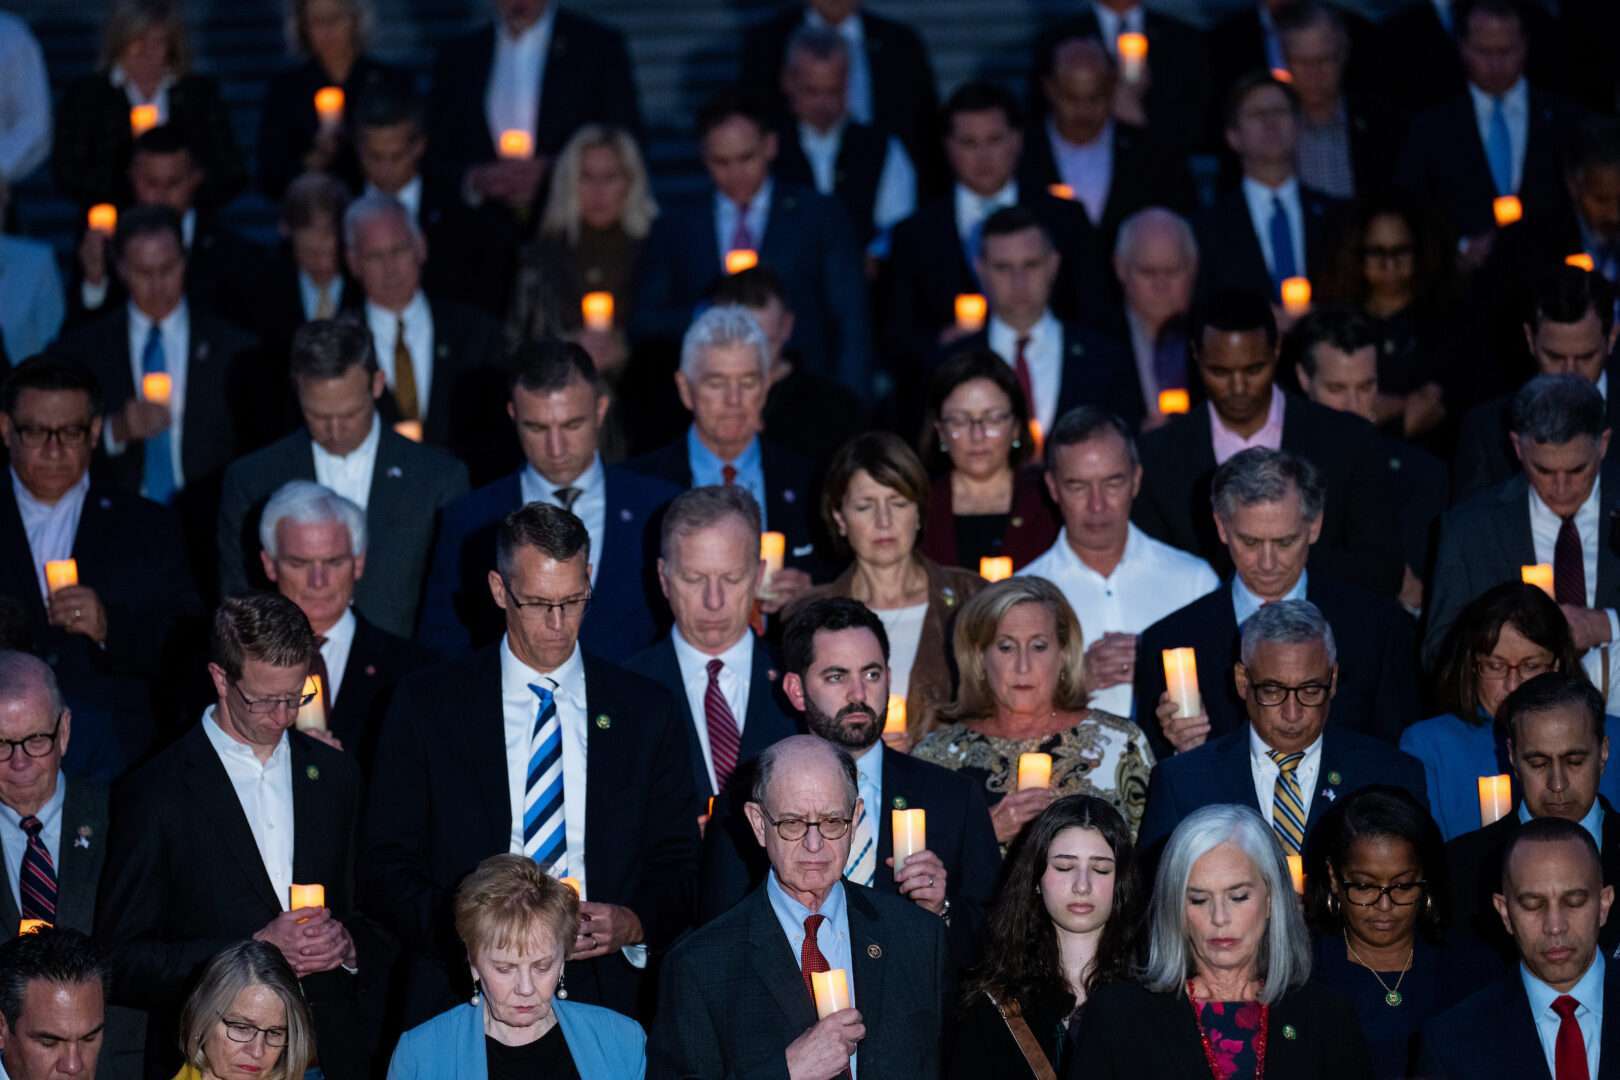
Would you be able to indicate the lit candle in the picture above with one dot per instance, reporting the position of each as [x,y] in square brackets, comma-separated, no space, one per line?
[157,387]
[1133,51]
[710,812]
[1581,261]
[1296,295]
[1539,575]
[312,717]
[142,118]
[104,218]
[1181,679]
[1174,402]
[1507,209]
[1037,437]
[573,883]
[831,990]
[31,926]
[597,309]
[910,834]
[772,547]
[995,567]
[894,721]
[61,573]
[306,896]
[1283,75]
[1296,873]
[1034,771]
[411,429]
[740,259]
[971,309]
[1061,191]
[329,107]
[1495,798]
[516,145]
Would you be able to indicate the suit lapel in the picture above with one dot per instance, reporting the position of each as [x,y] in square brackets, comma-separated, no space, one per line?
[316,818]
[774,249]
[1608,577]
[757,733]
[19,557]
[1518,546]
[1333,776]
[1249,251]
[773,961]
[668,672]
[1609,1063]
[84,830]
[605,743]
[200,373]
[437,425]
[388,479]
[866,942]
[214,800]
[1236,777]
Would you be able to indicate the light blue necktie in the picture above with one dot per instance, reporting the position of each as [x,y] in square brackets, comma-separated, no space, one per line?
[861,866]
[1499,149]
[157,472]
[1283,265]
[545,834]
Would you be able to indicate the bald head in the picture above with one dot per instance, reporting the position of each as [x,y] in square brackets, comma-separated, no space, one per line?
[1156,260]
[23,677]
[1080,89]
[807,758]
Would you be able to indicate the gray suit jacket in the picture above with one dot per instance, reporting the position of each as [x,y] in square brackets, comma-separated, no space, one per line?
[409,486]
[83,850]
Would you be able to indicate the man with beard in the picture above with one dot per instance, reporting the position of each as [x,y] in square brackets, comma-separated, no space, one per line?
[836,657]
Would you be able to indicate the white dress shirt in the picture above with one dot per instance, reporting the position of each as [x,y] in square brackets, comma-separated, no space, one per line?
[1043,354]
[15,841]
[897,183]
[735,678]
[1589,993]
[1088,168]
[175,331]
[120,79]
[512,96]
[25,101]
[1265,773]
[335,651]
[50,527]
[309,295]
[1544,526]
[384,325]
[1516,111]
[858,88]
[759,214]
[590,507]
[972,209]
[904,628]
[1151,580]
[409,196]
[349,475]
[1259,198]
[266,797]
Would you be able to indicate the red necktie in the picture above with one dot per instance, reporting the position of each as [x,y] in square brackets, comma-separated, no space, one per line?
[1569,1051]
[38,877]
[724,740]
[728,474]
[811,960]
[1025,383]
[1569,565]
[742,237]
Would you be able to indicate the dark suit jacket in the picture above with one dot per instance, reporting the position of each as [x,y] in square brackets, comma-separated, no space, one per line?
[809,242]
[1419,486]
[1359,542]
[959,832]
[81,856]
[1147,172]
[734,997]
[1485,457]
[1378,690]
[1096,371]
[1420,54]
[857,170]
[410,485]
[288,124]
[1031,528]
[184,879]
[1231,239]
[767,721]
[438,808]
[1126,1031]
[626,607]
[1493,1033]
[1218,772]
[377,662]
[1237,46]
[1485,540]
[279,312]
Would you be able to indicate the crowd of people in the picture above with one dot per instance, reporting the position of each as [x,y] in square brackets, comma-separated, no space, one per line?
[1116,576]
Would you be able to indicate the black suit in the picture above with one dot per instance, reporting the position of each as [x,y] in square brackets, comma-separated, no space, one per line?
[1237,46]
[1096,370]
[1493,1033]
[857,170]
[1229,240]
[1359,543]
[1417,482]
[1420,54]
[184,879]
[1378,691]
[278,313]
[437,809]
[82,853]
[733,996]
[1147,172]
[1485,457]
[377,662]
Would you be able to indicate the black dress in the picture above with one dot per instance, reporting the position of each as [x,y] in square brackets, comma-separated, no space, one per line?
[546,1057]
[981,1047]
[1428,988]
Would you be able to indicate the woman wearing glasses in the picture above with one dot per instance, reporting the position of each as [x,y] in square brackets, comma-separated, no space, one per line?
[1376,900]
[985,500]
[246,1019]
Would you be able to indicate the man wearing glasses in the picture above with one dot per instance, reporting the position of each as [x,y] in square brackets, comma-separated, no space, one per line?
[534,747]
[218,827]
[1287,762]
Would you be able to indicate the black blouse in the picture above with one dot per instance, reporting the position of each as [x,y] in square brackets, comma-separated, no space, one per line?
[983,1049]
[547,1057]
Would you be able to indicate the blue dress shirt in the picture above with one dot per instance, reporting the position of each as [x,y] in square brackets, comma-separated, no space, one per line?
[832,936]
[1245,603]
[1592,823]
[15,841]
[1589,992]
[707,469]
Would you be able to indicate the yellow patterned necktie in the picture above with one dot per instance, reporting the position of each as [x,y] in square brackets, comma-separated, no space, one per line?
[1288,802]
[405,377]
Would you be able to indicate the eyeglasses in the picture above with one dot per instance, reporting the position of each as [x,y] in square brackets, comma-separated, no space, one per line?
[68,435]
[1495,669]
[794,828]
[241,1031]
[263,706]
[990,424]
[36,745]
[1272,694]
[1404,894]
[573,607]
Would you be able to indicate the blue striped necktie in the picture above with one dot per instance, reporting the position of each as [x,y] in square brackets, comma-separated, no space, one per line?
[157,471]
[38,885]
[861,867]
[545,836]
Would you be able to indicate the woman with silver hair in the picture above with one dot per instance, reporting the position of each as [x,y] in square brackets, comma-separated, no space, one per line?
[1226,989]
[246,1018]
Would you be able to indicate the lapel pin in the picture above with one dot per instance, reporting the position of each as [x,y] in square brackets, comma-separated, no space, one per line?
[313,772]
[1017,523]
[789,496]
[899,802]
[1335,778]
[1329,794]
[875,951]
[442,350]
[371,669]
[1289,1032]
[770,674]
[395,472]
[626,515]
[948,594]
[106,503]
[83,839]
[603,721]
[202,350]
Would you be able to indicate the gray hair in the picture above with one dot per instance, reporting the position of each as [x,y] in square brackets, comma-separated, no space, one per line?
[304,502]
[1284,962]
[20,672]
[705,507]
[719,327]
[1133,230]
[818,43]
[1084,423]
[236,968]
[375,205]
[766,764]
[1259,475]
[1553,409]
[1287,622]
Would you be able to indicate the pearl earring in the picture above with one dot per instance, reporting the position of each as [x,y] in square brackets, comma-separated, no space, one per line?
[476,995]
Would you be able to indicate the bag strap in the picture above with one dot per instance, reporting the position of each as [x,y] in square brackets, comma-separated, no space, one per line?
[1028,1045]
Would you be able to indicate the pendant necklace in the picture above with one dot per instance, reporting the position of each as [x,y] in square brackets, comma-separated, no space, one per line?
[1392,994]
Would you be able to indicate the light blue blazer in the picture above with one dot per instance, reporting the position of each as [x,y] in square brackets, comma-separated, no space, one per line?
[605,1045]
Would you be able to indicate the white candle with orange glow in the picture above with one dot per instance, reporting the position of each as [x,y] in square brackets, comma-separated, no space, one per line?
[772,550]
[103,219]
[1174,402]
[410,429]
[1133,52]
[573,882]
[61,574]
[142,118]
[1507,209]
[1581,261]
[995,568]
[157,387]
[971,311]
[305,896]
[1034,771]
[1061,191]
[596,308]
[1181,679]
[1296,873]
[1539,575]
[1296,295]
[515,144]
[1037,437]
[831,989]
[894,720]
[910,834]
[329,107]
[312,717]
[740,259]
[1495,798]
[32,926]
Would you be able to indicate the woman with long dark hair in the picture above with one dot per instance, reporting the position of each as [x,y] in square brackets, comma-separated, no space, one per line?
[1061,925]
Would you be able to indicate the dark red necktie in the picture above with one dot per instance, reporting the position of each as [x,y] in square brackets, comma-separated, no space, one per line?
[1569,1051]
[742,237]
[810,958]
[724,740]
[38,884]
[728,474]
[1569,565]
[1025,383]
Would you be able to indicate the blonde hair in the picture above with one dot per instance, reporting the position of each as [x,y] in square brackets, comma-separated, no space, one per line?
[293,25]
[245,964]
[129,19]
[561,216]
[976,628]
[507,898]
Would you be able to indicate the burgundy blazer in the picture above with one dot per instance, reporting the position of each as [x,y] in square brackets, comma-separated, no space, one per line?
[1032,529]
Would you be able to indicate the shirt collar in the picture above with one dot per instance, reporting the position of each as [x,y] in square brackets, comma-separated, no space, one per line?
[26,500]
[739,657]
[1074,564]
[1246,603]
[588,481]
[969,202]
[47,813]
[120,78]
[828,138]
[1003,337]
[1105,137]
[789,910]
[141,323]
[869,772]
[761,199]
[851,28]
[1259,751]
[367,447]
[1589,991]
[228,746]
[748,459]
[1517,98]
[568,679]
[1584,513]
[342,630]
[1592,822]
[1287,191]
[416,309]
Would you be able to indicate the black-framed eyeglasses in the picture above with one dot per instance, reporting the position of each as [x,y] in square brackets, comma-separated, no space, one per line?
[795,828]
[264,706]
[34,436]
[36,745]
[240,1031]
[573,607]
[1310,695]
[1402,894]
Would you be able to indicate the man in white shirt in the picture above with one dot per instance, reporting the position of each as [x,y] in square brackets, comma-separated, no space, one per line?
[53,1008]
[1118,579]
[1156,262]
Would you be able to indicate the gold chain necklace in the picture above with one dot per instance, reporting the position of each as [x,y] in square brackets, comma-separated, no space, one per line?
[1392,994]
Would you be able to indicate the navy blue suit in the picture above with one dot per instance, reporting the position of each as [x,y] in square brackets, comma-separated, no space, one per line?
[1218,773]
[1492,1033]
[458,614]
[809,242]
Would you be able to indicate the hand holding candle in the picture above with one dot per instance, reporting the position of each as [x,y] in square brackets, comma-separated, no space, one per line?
[740,259]
[1133,52]
[597,310]
[1539,575]
[31,926]
[1495,798]
[61,573]
[971,311]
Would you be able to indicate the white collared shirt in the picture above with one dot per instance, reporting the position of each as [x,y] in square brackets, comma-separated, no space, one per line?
[335,651]
[1151,580]
[50,528]
[1088,168]
[759,215]
[349,475]
[590,507]
[1043,354]
[309,295]
[175,332]
[1544,526]
[1265,772]
[858,88]
[897,183]
[120,79]
[409,196]
[972,208]
[734,679]
[519,707]
[15,842]
[1516,111]
[1111,24]
[264,791]
[512,96]
[1259,197]
[384,326]
[1588,992]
